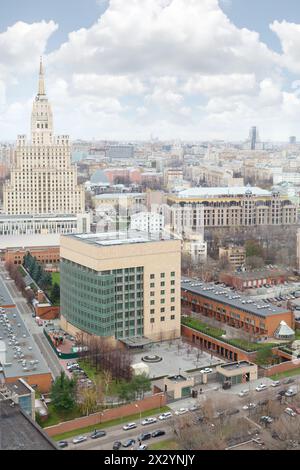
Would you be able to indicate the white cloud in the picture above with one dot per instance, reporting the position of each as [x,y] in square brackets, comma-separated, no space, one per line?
[22,44]
[171,67]
[289,36]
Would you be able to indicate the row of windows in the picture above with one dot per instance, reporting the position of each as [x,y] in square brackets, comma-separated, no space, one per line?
[152,320]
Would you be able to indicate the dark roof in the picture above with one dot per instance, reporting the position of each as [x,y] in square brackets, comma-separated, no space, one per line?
[225,296]
[18,431]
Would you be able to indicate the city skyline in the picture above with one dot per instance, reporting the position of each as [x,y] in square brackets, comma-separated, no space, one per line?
[112,71]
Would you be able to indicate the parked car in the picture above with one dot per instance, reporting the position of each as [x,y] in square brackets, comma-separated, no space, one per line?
[207,370]
[194,408]
[145,436]
[261,387]
[276,383]
[97,434]
[249,406]
[149,421]
[181,411]
[79,439]
[165,415]
[73,365]
[128,443]
[290,392]
[243,393]
[117,445]
[62,444]
[129,426]
[289,381]
[266,419]
[290,412]
[142,447]
[158,433]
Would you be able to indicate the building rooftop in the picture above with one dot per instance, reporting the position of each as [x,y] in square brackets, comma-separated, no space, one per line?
[222,192]
[237,365]
[26,241]
[119,195]
[4,217]
[121,238]
[18,431]
[23,358]
[229,297]
[259,274]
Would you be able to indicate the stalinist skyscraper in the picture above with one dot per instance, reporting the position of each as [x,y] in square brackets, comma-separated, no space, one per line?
[43,179]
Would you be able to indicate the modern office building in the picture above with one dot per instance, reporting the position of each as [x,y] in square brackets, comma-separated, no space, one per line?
[195,208]
[122,285]
[43,179]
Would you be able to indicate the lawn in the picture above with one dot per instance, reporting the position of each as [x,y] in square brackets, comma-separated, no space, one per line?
[93,374]
[168,444]
[217,333]
[114,422]
[55,278]
[297,334]
[56,417]
[288,373]
[197,325]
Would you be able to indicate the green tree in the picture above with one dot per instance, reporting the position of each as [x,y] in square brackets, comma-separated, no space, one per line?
[141,384]
[264,356]
[55,294]
[253,248]
[63,393]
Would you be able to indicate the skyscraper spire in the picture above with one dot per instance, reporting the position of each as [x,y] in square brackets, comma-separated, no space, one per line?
[41,91]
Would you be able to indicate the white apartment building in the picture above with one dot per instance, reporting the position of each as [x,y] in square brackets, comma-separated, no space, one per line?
[196,208]
[43,179]
[150,222]
[44,224]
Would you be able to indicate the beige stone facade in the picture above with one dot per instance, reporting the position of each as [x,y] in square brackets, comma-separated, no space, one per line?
[43,179]
[159,261]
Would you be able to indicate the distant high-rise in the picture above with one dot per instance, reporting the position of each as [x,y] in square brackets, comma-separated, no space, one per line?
[253,137]
[43,179]
[293,139]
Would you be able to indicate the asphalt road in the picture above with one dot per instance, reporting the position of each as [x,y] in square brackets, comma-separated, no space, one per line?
[116,433]
[36,331]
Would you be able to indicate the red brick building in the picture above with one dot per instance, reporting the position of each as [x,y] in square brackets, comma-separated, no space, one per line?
[248,280]
[252,316]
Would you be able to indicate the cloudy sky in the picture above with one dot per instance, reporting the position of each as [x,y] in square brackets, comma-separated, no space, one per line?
[176,69]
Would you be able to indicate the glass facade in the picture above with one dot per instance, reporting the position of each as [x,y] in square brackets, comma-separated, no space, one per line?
[105,303]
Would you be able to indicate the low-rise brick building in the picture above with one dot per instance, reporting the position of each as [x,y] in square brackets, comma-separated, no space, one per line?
[255,317]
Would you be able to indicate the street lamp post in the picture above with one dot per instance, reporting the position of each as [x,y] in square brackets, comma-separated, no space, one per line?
[137,406]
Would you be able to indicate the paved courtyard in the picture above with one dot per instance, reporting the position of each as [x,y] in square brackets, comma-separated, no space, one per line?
[177,357]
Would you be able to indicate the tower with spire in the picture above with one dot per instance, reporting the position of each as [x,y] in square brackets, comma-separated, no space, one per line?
[41,117]
[43,178]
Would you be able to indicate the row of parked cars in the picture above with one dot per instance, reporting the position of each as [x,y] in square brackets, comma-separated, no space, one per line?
[141,438]
[82,378]
[289,393]
[95,435]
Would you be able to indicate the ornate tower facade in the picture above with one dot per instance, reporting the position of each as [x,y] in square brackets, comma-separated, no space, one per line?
[43,179]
